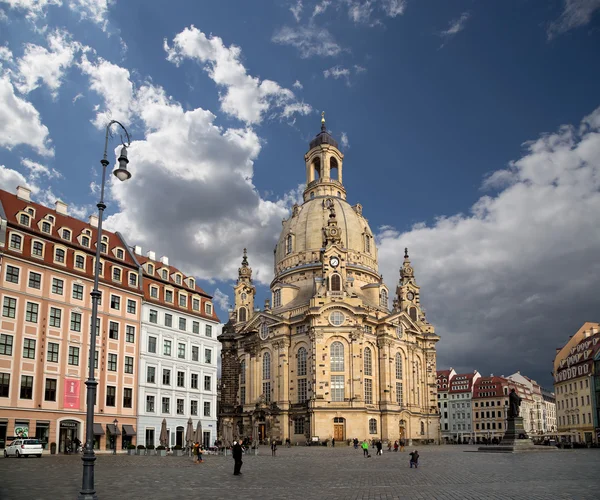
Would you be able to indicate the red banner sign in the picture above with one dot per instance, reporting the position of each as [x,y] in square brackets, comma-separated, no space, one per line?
[71,395]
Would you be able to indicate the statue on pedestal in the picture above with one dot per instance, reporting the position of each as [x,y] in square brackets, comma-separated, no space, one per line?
[514,403]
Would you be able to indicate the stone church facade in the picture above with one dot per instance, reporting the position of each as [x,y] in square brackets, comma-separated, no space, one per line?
[327,357]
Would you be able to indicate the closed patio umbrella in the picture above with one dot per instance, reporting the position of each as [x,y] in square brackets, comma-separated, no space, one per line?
[164,437]
[198,436]
[189,434]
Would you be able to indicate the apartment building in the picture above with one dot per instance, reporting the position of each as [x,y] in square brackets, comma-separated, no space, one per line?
[460,395]
[443,378]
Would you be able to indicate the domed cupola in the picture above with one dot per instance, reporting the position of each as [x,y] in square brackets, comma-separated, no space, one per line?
[323,137]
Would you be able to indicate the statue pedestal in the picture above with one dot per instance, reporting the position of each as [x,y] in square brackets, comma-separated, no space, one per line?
[515,440]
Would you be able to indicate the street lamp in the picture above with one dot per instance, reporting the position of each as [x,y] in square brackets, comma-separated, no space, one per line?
[115,423]
[89,457]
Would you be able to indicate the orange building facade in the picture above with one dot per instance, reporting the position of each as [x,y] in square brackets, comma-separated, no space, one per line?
[46,276]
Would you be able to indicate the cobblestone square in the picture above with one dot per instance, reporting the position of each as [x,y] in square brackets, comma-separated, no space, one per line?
[445,472]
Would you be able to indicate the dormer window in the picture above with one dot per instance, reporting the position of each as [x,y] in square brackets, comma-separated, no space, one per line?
[66,234]
[103,247]
[192,283]
[120,253]
[31,211]
[51,218]
[85,241]
[46,227]
[150,269]
[178,279]
[24,219]
[165,275]
[208,308]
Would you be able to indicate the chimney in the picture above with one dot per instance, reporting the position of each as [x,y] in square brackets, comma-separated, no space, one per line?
[165,260]
[151,255]
[61,207]
[24,193]
[137,250]
[93,220]
[594,330]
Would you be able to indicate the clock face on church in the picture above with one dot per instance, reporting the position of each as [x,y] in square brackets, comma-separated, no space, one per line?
[334,262]
[410,295]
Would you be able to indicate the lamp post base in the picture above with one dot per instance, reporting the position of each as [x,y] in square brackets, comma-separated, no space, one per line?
[88,492]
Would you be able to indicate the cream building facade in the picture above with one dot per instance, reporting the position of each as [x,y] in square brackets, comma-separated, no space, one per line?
[327,357]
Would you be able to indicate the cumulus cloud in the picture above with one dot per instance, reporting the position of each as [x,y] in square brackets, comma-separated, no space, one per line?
[246,97]
[576,13]
[93,10]
[296,10]
[10,179]
[221,299]
[37,170]
[20,122]
[310,40]
[455,27]
[33,9]
[508,282]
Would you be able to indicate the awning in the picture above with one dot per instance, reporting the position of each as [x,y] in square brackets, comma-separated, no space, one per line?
[113,429]
[98,430]
[128,430]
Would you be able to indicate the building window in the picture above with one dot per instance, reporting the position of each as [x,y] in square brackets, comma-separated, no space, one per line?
[66,234]
[182,300]
[79,262]
[153,316]
[336,318]
[178,279]
[55,317]
[207,408]
[46,227]
[131,306]
[181,351]
[152,344]
[194,407]
[399,366]
[299,426]
[15,241]
[168,320]
[368,362]
[24,219]
[368,391]
[35,280]
[50,392]
[277,298]
[168,295]
[4,385]
[243,395]
[6,344]
[367,243]
[115,302]
[302,390]
[166,405]
[180,403]
[166,378]
[194,381]
[150,404]
[31,313]
[130,334]
[113,330]
[29,348]
[337,388]
[165,275]
[103,247]
[195,327]
[336,283]
[207,383]
[85,241]
[57,286]
[208,330]
[127,397]
[120,253]
[196,304]
[182,324]
[112,362]
[9,307]
[180,379]
[167,348]
[37,249]
[288,244]
[372,426]
[151,374]
[78,292]
[12,274]
[302,362]
[74,356]
[111,393]
[195,353]
[52,354]
[399,393]
[26,387]
[384,298]
[337,357]
[208,309]
[128,364]
[59,255]
[154,292]
[207,356]
[75,322]
[242,314]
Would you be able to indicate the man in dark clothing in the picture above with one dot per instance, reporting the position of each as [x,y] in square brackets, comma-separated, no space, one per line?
[379,447]
[414,459]
[237,456]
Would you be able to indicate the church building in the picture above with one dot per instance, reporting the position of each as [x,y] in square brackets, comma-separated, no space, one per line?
[327,357]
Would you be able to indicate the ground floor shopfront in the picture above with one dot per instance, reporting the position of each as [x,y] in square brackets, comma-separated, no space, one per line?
[148,431]
[64,429]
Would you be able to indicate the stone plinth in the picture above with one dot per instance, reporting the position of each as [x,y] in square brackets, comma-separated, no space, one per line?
[515,440]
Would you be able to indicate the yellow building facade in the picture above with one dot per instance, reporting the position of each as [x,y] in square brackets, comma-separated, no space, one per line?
[327,358]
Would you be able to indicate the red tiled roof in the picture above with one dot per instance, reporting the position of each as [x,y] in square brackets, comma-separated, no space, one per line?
[460,380]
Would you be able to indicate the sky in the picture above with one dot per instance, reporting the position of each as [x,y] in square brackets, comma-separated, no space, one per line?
[470,129]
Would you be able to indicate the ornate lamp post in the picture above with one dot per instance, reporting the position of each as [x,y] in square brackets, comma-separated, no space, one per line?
[88,491]
[115,423]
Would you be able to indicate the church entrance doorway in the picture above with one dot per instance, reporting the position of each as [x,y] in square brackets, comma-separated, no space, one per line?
[338,428]
[262,433]
[402,431]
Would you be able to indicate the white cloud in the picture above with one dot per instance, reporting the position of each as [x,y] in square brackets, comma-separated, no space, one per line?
[34,9]
[247,97]
[455,27]
[3,16]
[296,10]
[39,64]
[93,10]
[359,69]
[576,13]
[37,170]
[5,54]
[77,97]
[298,85]
[344,140]
[320,8]
[364,11]
[337,72]
[537,237]
[221,299]
[10,179]
[309,40]
[20,122]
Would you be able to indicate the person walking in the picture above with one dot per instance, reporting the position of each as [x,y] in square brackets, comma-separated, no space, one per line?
[395,445]
[236,452]
[355,443]
[365,448]
[402,445]
[414,459]
[333,443]
[379,447]
[274,448]
[390,445]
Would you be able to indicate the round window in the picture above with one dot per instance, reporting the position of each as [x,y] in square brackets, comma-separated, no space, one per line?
[264,331]
[244,296]
[336,318]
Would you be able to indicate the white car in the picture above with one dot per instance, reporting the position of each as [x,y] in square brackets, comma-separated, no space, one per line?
[24,448]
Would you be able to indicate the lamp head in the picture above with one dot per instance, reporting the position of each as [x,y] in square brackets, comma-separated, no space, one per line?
[122,173]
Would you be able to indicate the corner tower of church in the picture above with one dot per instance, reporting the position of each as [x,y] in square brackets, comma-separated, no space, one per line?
[327,356]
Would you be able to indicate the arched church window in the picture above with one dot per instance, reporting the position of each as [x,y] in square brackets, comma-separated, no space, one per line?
[277,298]
[337,357]
[384,298]
[317,168]
[242,314]
[372,426]
[339,195]
[301,362]
[267,366]
[312,195]
[368,362]
[333,169]
[288,244]
[336,283]
[367,243]
[412,312]
[399,366]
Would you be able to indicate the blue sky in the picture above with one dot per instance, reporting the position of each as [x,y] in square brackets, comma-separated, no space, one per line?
[470,129]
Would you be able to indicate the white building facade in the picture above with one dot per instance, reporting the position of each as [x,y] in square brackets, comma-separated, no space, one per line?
[460,397]
[178,358]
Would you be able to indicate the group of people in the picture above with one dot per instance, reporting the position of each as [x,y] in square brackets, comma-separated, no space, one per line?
[414,456]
